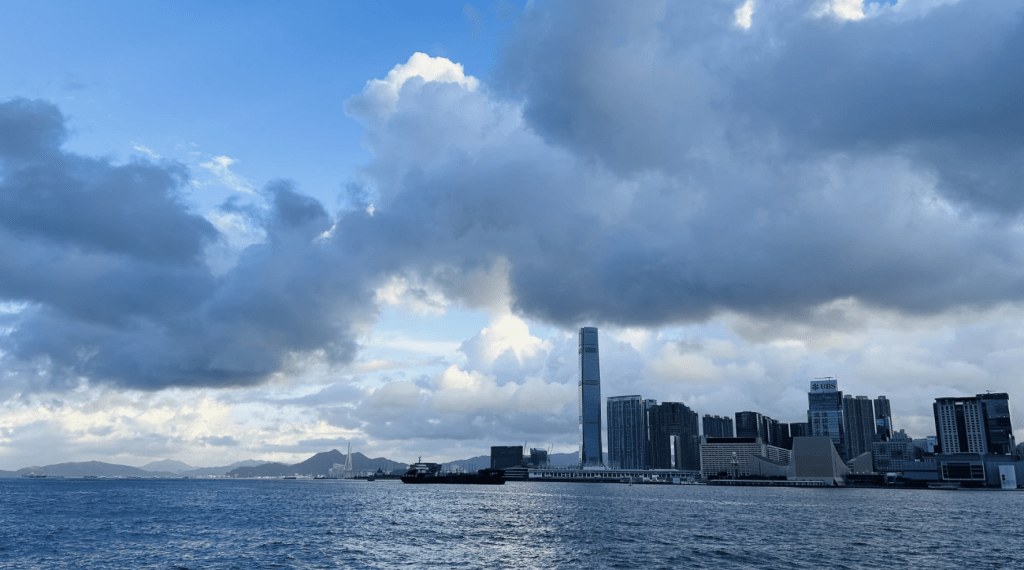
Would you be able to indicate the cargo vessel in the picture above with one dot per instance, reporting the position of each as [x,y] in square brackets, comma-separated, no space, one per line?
[420,473]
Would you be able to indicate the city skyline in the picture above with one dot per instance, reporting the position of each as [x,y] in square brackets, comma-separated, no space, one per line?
[262,231]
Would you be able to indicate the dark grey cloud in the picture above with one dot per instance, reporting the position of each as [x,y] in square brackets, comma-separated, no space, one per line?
[30,129]
[108,262]
[943,88]
[640,164]
[687,167]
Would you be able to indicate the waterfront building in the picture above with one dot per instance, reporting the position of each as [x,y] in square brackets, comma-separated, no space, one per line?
[883,419]
[673,437]
[815,459]
[506,456]
[859,415]
[975,470]
[591,452]
[979,424]
[732,456]
[627,432]
[750,424]
[608,475]
[825,413]
[717,426]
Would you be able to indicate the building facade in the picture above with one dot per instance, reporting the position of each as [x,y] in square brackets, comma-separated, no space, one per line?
[979,424]
[750,425]
[883,419]
[892,455]
[731,456]
[505,456]
[998,428]
[538,457]
[674,437]
[591,452]
[772,431]
[627,432]
[859,415]
[825,413]
[799,429]
[717,426]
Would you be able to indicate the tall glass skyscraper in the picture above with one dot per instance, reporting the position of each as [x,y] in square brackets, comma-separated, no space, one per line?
[590,399]
[627,432]
[859,414]
[825,413]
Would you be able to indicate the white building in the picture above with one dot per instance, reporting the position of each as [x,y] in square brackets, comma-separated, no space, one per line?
[732,456]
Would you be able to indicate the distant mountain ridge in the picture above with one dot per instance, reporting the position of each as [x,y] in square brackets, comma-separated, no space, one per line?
[172,465]
[318,464]
[88,469]
[101,469]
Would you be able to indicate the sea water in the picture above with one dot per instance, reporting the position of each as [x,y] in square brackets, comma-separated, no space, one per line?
[255,524]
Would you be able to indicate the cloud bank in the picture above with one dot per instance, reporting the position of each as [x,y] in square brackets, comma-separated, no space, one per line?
[648,165]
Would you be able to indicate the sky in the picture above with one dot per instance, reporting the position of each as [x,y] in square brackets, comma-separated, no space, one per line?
[252,230]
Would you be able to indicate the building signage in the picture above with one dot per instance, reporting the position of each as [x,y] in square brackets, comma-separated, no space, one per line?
[825,385]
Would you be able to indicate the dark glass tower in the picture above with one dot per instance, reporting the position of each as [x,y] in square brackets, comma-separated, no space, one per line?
[590,399]
[998,430]
[674,441]
[883,419]
[717,426]
[859,414]
[751,424]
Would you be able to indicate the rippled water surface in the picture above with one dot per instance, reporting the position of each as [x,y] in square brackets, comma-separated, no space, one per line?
[193,524]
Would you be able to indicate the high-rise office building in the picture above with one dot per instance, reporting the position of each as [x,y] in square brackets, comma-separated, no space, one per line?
[750,424]
[979,424]
[627,432]
[998,429]
[674,440]
[717,426]
[590,399]
[825,413]
[859,415]
[883,419]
